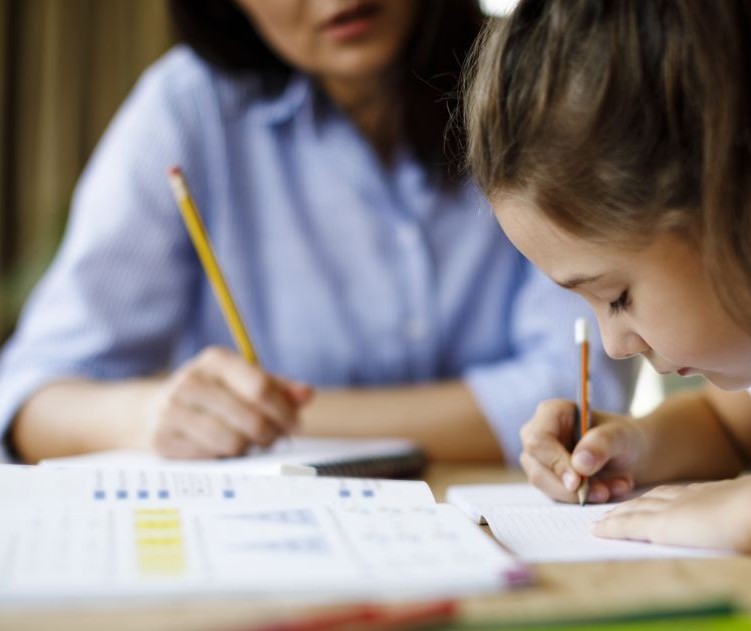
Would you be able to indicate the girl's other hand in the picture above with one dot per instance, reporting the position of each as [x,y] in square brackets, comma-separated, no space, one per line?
[610,452]
[708,515]
[218,404]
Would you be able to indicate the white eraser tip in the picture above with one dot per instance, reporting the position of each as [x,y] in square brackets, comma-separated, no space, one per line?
[581,332]
[297,469]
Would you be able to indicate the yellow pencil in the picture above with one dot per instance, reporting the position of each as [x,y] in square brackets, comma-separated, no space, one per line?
[201,242]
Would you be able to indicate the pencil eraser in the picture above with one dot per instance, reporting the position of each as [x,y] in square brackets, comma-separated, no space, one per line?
[581,332]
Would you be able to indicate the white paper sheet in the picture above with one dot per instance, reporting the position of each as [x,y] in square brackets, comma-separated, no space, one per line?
[538,529]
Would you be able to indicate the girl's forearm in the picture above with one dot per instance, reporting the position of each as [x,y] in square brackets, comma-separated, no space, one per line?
[687,440]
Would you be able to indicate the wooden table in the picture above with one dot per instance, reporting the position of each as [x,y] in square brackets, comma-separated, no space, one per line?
[562,590]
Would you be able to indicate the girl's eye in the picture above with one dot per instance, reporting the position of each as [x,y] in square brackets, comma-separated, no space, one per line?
[621,303]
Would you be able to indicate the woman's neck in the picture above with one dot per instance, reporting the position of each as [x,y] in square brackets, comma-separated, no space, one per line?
[372,104]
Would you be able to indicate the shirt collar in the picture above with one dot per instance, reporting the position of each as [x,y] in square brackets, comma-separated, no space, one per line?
[282,108]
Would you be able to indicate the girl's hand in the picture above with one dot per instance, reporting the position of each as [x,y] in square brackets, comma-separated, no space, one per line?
[610,452]
[218,405]
[709,515]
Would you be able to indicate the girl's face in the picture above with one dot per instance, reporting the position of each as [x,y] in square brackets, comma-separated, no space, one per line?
[334,39]
[657,301]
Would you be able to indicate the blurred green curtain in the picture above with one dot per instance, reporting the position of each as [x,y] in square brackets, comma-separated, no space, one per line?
[65,66]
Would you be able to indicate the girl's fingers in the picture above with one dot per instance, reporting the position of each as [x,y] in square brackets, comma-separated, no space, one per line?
[544,479]
[599,492]
[619,486]
[553,455]
[636,525]
[638,505]
[553,419]
[665,492]
[545,438]
[600,446]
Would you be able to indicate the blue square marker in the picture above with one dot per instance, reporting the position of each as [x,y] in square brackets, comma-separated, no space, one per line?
[163,494]
[229,494]
[100,495]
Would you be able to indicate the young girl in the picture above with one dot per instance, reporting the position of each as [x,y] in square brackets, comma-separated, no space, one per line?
[614,141]
[311,134]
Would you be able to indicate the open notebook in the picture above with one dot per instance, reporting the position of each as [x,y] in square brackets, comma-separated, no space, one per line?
[538,529]
[353,457]
[92,534]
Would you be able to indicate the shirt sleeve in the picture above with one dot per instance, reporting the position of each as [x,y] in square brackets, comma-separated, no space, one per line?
[544,363]
[114,299]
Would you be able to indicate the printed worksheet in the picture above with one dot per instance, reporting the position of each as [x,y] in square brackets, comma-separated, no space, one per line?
[88,535]
[153,486]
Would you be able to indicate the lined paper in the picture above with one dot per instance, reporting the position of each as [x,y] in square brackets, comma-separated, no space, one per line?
[538,529]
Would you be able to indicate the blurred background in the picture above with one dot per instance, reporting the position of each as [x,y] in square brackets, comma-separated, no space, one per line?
[65,66]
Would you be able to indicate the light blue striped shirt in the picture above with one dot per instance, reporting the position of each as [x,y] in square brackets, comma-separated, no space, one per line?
[346,272]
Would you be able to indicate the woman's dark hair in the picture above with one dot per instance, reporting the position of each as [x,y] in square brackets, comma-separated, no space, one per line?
[445,30]
[620,119]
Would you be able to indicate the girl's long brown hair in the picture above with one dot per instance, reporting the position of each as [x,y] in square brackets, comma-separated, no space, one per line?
[622,118]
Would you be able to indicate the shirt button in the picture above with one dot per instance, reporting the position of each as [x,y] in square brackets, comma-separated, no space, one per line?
[408,235]
[415,330]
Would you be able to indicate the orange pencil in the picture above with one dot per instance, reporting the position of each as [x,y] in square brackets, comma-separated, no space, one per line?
[581,336]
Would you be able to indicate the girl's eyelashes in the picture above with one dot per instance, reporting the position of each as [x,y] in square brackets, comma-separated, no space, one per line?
[621,303]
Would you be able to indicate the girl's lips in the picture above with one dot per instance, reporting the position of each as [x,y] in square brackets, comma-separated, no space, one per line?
[683,372]
[352,23]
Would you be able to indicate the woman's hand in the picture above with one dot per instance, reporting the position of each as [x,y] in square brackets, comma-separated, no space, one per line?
[610,452]
[218,405]
[708,515]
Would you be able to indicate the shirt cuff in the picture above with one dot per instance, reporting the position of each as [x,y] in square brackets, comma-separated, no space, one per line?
[508,395]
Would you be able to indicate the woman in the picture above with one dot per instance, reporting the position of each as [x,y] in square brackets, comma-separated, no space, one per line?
[311,135]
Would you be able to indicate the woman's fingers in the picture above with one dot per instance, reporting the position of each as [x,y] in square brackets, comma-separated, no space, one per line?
[252,386]
[208,432]
[218,405]
[174,444]
[214,399]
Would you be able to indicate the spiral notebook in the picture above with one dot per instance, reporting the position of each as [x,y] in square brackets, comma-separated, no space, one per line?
[351,457]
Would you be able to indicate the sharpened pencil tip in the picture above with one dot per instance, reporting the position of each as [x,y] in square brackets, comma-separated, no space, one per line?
[582,492]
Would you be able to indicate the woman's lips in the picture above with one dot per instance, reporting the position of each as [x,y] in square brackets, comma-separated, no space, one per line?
[352,23]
